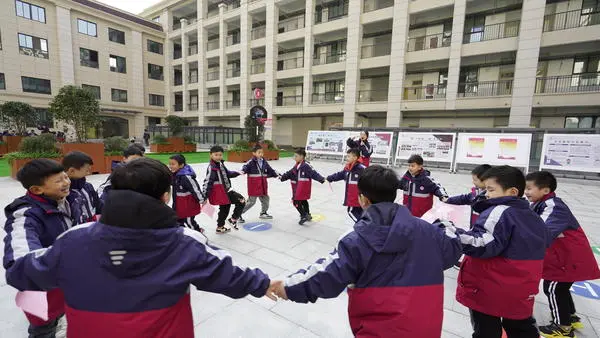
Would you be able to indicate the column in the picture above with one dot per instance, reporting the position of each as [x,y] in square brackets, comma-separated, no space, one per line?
[222,59]
[184,65]
[202,62]
[245,59]
[167,22]
[136,70]
[271,52]
[400,25]
[528,52]
[309,21]
[65,46]
[139,123]
[351,83]
[456,41]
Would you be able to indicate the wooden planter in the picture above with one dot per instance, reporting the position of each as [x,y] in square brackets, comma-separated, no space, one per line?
[12,143]
[108,160]
[178,144]
[3,149]
[271,154]
[93,150]
[161,148]
[189,148]
[16,165]
[239,156]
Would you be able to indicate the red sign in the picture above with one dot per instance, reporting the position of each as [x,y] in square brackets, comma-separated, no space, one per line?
[258,93]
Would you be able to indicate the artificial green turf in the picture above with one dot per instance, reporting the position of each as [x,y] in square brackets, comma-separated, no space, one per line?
[4,168]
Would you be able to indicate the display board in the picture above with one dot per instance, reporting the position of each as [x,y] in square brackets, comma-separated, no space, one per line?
[574,152]
[436,147]
[380,141]
[327,142]
[494,149]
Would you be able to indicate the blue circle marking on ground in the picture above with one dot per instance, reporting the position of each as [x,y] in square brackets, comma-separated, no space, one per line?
[586,289]
[258,226]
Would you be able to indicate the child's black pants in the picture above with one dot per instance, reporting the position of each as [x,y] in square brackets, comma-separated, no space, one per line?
[560,301]
[238,201]
[302,207]
[486,326]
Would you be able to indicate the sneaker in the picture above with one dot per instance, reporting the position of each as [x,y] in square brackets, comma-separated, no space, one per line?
[233,224]
[222,230]
[309,217]
[576,323]
[302,220]
[556,331]
[265,216]
[241,220]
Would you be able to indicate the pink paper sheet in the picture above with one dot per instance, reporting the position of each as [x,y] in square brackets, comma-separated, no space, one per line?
[33,302]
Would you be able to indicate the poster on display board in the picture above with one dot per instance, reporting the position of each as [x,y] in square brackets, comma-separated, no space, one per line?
[436,147]
[574,152]
[380,141]
[494,149]
[327,142]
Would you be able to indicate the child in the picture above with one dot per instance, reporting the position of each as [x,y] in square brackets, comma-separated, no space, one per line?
[568,259]
[217,188]
[186,192]
[504,253]
[362,144]
[477,192]
[34,222]
[78,165]
[351,174]
[382,259]
[419,187]
[130,153]
[258,170]
[301,176]
[129,275]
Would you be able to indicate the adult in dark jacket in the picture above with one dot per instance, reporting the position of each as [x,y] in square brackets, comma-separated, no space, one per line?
[362,144]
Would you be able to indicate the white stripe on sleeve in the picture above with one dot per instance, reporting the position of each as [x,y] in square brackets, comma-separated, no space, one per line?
[195,187]
[200,238]
[18,236]
[311,271]
[549,209]
[489,225]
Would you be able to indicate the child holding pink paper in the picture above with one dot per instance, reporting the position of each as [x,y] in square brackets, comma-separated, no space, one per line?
[350,175]
[187,194]
[477,192]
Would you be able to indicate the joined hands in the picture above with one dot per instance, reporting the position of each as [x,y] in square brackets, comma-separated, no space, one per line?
[276,290]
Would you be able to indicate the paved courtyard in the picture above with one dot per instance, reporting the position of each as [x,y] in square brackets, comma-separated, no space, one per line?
[289,246]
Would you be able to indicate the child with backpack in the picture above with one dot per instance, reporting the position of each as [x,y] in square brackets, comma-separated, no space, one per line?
[186,192]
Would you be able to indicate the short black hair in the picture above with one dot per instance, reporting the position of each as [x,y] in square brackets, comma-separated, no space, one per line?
[378,184]
[140,147]
[300,152]
[144,175]
[76,159]
[216,149]
[480,170]
[415,159]
[542,179]
[353,151]
[507,177]
[178,158]
[256,148]
[37,171]
[366,132]
[131,151]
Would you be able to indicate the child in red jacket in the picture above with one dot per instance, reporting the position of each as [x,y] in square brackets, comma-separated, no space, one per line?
[568,259]
[477,192]
[352,171]
[186,192]
[257,171]
[419,187]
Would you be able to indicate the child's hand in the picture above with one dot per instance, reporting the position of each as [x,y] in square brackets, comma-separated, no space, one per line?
[444,199]
[276,289]
[241,172]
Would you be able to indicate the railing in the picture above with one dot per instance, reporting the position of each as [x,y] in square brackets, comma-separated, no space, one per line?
[576,83]
[257,102]
[429,92]
[570,19]
[204,135]
[177,54]
[214,105]
[212,75]
[232,5]
[289,100]
[178,81]
[233,40]
[291,24]
[331,97]
[212,44]
[485,88]
[373,5]
[327,59]
[493,32]
[257,68]
[193,106]
[233,73]
[373,95]
[178,107]
[291,63]
[258,32]
[323,16]
[232,104]
[193,50]
[193,78]
[429,41]
[371,51]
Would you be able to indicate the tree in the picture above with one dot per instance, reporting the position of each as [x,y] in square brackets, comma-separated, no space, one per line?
[18,116]
[176,124]
[253,129]
[77,107]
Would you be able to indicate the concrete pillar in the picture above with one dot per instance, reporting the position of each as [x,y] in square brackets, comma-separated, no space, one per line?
[65,46]
[271,52]
[167,21]
[309,21]
[400,25]
[222,59]
[351,83]
[139,123]
[458,26]
[202,62]
[136,70]
[184,66]
[528,52]
[245,60]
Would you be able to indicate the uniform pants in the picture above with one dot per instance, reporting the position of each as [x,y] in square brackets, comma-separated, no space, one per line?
[238,201]
[560,301]
[39,328]
[355,213]
[302,207]
[264,203]
[486,326]
[190,222]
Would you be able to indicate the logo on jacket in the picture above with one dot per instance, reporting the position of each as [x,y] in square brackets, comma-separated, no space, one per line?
[422,188]
[117,256]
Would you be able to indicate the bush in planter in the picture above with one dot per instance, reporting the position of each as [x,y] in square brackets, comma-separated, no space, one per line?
[159,139]
[77,107]
[253,129]
[114,146]
[17,116]
[270,145]
[176,124]
[189,140]
[43,146]
[240,146]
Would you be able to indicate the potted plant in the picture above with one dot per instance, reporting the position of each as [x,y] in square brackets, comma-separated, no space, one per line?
[160,144]
[113,151]
[43,146]
[189,145]
[79,108]
[176,124]
[271,151]
[240,152]
[16,116]
[253,130]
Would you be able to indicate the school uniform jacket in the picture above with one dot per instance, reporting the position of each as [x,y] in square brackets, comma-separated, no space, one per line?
[475,196]
[365,150]
[350,175]
[569,257]
[217,184]
[301,176]
[129,274]
[393,266]
[257,176]
[504,256]
[187,195]
[91,204]
[419,191]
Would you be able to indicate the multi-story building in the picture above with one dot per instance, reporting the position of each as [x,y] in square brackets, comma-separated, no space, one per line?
[383,63]
[46,44]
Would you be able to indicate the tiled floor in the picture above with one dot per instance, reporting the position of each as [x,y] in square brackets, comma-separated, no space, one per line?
[289,246]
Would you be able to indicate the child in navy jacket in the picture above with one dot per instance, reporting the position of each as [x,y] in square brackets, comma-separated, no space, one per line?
[350,175]
[569,257]
[77,166]
[130,153]
[477,192]
[186,192]
[257,171]
[419,187]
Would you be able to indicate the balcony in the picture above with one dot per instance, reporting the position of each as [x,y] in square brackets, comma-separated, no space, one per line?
[291,24]
[328,98]
[290,63]
[373,5]
[212,44]
[429,41]
[177,54]
[193,50]
[231,73]
[430,92]
[373,95]
[193,77]
[570,19]
[178,80]
[178,107]
[258,32]
[577,83]
[193,106]
[257,68]
[485,88]
[231,5]
[371,51]
[257,102]
[328,59]
[213,105]
[282,101]
[212,75]
[492,32]
[331,13]
[232,104]
[233,40]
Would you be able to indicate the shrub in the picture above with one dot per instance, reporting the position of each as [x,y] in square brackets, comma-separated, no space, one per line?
[159,139]
[21,155]
[270,145]
[77,107]
[189,140]
[240,145]
[115,145]
[45,143]
[17,116]
[251,127]
[176,124]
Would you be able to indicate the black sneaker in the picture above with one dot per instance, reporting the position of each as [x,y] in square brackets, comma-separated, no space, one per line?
[222,230]
[556,331]
[576,322]
[233,224]
[309,217]
[241,220]
[265,216]
[302,220]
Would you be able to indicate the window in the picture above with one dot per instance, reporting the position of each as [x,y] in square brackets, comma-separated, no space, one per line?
[117,64]
[582,122]
[33,46]
[119,95]
[155,72]
[94,89]
[117,36]
[86,27]
[88,57]
[2,81]
[157,100]
[34,85]
[155,47]
[31,12]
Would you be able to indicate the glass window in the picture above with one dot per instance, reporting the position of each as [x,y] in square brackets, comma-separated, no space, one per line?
[155,72]
[155,47]
[157,100]
[34,85]
[117,64]
[88,57]
[94,89]
[586,122]
[33,46]
[86,27]
[31,12]
[571,122]
[117,36]
[2,81]
[118,95]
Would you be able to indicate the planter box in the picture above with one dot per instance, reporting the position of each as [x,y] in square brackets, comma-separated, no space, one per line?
[15,165]
[271,154]
[12,143]
[189,148]
[239,157]
[93,150]
[263,145]
[178,144]
[161,148]
[108,160]
[3,149]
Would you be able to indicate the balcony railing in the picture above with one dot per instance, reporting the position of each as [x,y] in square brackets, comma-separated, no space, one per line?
[289,100]
[258,32]
[193,106]
[193,78]
[291,24]
[373,5]
[257,68]
[371,51]
[178,107]
[233,40]
[325,98]
[332,13]
[373,95]
[291,63]
[257,102]
[178,81]
[327,59]
[177,54]
[429,41]
[576,83]
[233,73]
[212,44]
[232,5]
[212,75]
[493,32]
[485,88]
[213,105]
[193,50]
[232,104]
[429,92]
[570,19]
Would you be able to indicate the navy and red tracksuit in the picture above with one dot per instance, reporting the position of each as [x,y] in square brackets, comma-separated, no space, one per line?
[34,222]
[419,191]
[569,257]
[187,196]
[91,204]
[350,175]
[301,176]
[475,196]
[217,188]
[365,150]
[394,264]
[143,267]
[500,274]
[257,176]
